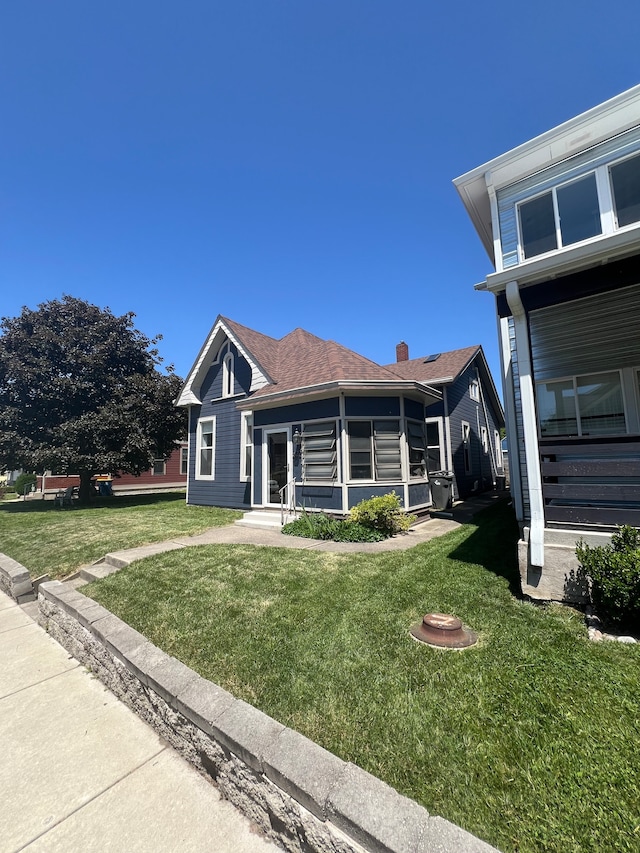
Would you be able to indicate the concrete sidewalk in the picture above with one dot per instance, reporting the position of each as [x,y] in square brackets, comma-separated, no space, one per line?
[79,771]
[233,534]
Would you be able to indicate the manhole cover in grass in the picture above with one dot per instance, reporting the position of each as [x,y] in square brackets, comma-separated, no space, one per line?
[443,631]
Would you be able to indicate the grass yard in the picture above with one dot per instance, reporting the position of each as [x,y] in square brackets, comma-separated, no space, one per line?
[530,740]
[47,539]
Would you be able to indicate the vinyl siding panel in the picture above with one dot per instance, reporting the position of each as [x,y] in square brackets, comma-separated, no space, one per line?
[613,149]
[313,410]
[361,493]
[372,407]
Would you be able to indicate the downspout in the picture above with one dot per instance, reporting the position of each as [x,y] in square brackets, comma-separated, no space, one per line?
[532,456]
[515,479]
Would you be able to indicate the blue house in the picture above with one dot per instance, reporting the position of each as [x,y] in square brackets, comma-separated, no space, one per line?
[305,422]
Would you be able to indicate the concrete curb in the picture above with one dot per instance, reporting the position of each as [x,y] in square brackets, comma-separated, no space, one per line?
[304,798]
[15,580]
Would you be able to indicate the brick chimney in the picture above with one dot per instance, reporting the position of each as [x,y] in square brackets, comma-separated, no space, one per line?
[402,352]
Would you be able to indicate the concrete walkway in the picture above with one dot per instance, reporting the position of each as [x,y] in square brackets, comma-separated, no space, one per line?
[79,771]
[233,534]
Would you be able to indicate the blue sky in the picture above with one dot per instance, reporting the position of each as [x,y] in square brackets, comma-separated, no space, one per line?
[282,162]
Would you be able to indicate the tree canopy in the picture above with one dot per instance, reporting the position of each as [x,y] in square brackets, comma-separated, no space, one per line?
[81,393]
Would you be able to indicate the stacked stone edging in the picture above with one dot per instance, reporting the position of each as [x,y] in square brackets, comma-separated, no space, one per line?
[15,580]
[303,797]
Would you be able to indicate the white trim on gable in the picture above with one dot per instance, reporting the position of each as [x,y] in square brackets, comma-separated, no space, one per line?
[207,356]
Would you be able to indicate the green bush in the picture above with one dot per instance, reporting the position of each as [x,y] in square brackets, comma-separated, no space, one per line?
[383,513]
[24,481]
[612,573]
[321,526]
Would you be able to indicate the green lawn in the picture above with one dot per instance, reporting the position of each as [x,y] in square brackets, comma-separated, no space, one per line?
[530,740]
[47,539]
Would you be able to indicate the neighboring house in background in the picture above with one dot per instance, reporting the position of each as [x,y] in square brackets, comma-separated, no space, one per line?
[165,474]
[463,429]
[560,218]
[306,422]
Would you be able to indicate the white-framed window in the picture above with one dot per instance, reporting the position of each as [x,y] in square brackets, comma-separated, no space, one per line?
[319,451]
[598,202]
[484,438]
[474,389]
[184,461]
[625,190]
[374,450]
[435,445]
[246,445]
[587,405]
[228,378]
[561,216]
[466,447]
[159,468]
[497,443]
[205,449]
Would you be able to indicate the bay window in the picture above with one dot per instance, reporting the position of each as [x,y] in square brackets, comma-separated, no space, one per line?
[374,450]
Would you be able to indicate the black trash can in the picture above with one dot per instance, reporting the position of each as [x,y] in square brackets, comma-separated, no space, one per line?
[441,483]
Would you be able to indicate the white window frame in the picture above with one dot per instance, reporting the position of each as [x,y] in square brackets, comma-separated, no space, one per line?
[466,447]
[474,389]
[484,438]
[246,442]
[417,478]
[201,421]
[184,460]
[324,480]
[614,213]
[574,380]
[441,443]
[228,375]
[154,473]
[373,479]
[498,445]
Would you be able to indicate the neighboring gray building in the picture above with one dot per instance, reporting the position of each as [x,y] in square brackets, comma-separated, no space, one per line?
[560,218]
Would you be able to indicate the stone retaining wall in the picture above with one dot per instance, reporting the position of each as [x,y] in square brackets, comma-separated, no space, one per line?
[15,580]
[304,798]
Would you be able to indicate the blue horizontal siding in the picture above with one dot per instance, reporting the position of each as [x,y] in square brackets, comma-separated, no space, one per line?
[313,410]
[363,493]
[372,407]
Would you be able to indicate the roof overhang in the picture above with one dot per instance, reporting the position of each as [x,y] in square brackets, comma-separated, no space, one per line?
[604,121]
[331,389]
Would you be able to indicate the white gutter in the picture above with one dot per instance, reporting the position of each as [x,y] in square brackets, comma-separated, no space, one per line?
[532,456]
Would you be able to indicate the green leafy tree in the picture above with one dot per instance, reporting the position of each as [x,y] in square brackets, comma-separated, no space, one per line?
[81,393]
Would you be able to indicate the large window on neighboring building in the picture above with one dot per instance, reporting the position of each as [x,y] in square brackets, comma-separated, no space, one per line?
[625,185]
[319,451]
[374,450]
[205,443]
[583,406]
[560,217]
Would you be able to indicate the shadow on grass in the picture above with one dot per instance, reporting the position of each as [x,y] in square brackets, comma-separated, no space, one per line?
[116,501]
[494,544]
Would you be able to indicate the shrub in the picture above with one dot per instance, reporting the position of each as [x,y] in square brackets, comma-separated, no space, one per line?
[24,481]
[382,513]
[612,573]
[321,526]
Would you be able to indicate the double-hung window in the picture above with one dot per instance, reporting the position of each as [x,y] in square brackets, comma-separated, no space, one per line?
[374,450]
[560,217]
[466,447]
[184,460]
[319,452]
[582,406]
[159,468]
[205,443]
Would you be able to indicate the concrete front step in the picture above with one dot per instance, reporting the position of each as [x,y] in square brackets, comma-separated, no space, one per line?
[265,519]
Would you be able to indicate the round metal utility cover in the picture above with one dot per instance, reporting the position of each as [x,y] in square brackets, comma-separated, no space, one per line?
[443,631]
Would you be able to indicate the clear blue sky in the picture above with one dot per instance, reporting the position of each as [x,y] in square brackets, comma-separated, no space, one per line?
[283,162]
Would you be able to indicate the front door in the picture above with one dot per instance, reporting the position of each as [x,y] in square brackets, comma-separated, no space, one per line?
[277,457]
